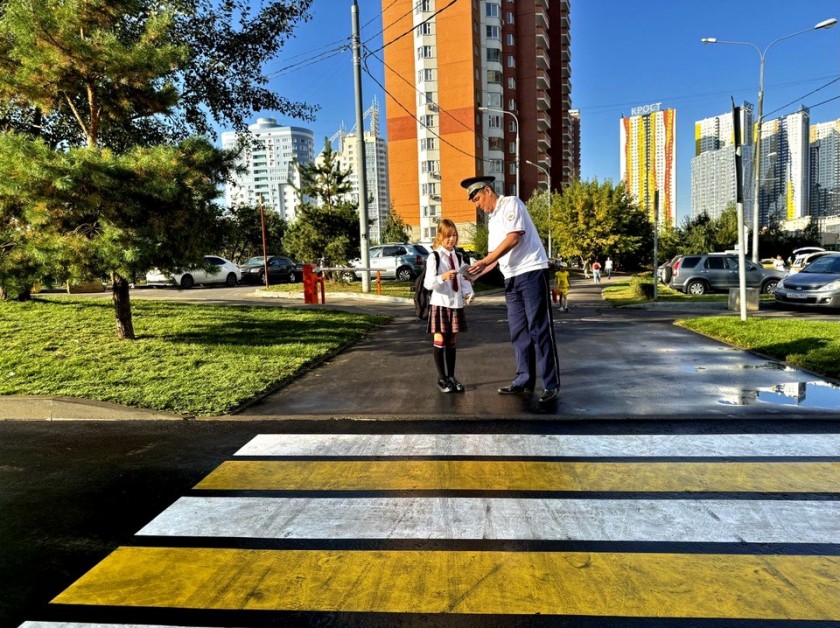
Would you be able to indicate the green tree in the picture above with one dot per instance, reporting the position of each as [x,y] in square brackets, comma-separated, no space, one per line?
[113,68]
[592,218]
[394,228]
[241,228]
[324,182]
[321,233]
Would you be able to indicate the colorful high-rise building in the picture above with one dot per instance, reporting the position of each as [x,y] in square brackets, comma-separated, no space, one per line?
[784,177]
[825,169]
[713,176]
[648,159]
[474,88]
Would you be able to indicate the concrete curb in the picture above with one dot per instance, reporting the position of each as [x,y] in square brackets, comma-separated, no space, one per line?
[60,408]
[358,296]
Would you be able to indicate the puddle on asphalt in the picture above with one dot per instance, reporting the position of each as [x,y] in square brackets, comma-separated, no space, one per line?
[764,366]
[821,395]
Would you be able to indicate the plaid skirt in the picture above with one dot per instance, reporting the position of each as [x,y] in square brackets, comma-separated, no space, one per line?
[446,320]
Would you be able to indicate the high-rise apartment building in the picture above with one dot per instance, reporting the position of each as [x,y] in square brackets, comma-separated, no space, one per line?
[268,157]
[474,88]
[574,118]
[648,159]
[376,158]
[713,180]
[825,169]
[784,176]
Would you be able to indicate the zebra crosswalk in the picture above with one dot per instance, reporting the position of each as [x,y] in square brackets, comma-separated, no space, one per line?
[430,529]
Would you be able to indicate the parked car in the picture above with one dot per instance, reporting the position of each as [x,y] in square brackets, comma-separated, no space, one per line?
[698,274]
[665,270]
[224,272]
[394,261]
[802,260]
[816,285]
[280,269]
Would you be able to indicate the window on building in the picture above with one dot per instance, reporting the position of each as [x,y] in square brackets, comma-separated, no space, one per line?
[430,165]
[511,126]
[496,165]
[511,61]
[425,28]
[512,148]
[509,17]
[512,105]
[422,6]
[425,52]
[512,168]
[509,39]
[428,121]
[427,74]
[511,83]
[492,32]
[494,55]
[491,9]
[427,143]
[494,99]
[494,77]
[495,143]
[494,121]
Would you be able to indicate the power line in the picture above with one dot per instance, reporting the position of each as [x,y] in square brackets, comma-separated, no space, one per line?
[806,96]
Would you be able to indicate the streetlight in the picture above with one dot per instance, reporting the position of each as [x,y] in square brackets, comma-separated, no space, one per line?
[548,184]
[516,120]
[757,140]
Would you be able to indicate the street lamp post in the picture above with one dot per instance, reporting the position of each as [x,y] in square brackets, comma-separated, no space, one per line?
[516,120]
[548,184]
[757,140]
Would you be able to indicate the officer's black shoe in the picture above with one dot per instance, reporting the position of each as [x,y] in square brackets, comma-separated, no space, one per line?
[549,394]
[514,389]
[444,386]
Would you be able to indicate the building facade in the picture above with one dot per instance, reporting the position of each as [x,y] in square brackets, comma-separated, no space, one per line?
[268,157]
[376,158]
[713,178]
[648,143]
[478,89]
[825,169]
[784,175]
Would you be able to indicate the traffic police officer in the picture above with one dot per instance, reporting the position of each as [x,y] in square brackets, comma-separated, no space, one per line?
[514,243]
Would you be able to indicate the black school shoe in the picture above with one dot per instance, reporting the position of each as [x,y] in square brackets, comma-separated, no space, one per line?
[444,386]
[549,395]
[515,389]
[455,385]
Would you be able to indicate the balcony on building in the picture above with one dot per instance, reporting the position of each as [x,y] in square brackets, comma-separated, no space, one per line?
[542,59]
[543,141]
[543,80]
[542,38]
[541,16]
[543,120]
[543,100]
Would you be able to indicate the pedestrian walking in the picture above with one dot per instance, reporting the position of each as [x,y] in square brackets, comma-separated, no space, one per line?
[586,267]
[450,291]
[596,271]
[561,282]
[608,267]
[516,246]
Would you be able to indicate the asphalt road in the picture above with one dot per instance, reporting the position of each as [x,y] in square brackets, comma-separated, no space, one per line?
[73,492]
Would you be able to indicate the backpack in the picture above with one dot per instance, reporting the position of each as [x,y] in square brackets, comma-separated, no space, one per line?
[421,295]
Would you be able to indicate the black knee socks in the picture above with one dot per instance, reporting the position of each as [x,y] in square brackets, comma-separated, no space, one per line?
[439,362]
[450,360]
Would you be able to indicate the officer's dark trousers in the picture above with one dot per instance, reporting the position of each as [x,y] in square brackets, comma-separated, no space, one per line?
[528,298]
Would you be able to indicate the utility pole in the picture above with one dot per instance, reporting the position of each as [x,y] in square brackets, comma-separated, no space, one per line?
[361,159]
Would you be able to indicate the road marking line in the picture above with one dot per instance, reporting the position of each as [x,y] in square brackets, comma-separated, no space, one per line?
[565,583]
[525,445]
[465,475]
[694,521]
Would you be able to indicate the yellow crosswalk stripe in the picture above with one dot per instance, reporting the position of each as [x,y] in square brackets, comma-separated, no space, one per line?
[759,477]
[483,582]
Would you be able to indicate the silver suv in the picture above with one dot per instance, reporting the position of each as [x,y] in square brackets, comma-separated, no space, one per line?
[699,274]
[394,260]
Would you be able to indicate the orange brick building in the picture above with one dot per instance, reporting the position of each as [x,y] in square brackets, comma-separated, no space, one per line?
[461,78]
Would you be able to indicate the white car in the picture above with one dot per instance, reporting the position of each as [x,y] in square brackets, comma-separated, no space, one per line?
[226,273]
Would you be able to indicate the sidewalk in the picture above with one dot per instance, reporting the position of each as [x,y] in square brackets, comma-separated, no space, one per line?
[615,363]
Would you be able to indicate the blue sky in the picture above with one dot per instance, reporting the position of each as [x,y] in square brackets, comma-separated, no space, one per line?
[624,54]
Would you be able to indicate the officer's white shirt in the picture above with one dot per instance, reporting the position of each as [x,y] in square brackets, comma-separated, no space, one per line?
[443,294]
[510,215]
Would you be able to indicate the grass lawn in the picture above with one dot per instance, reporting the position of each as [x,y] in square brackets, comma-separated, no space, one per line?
[187,358]
[811,345]
[620,293]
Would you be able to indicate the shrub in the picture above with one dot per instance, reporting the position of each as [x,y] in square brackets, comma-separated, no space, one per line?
[641,285]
